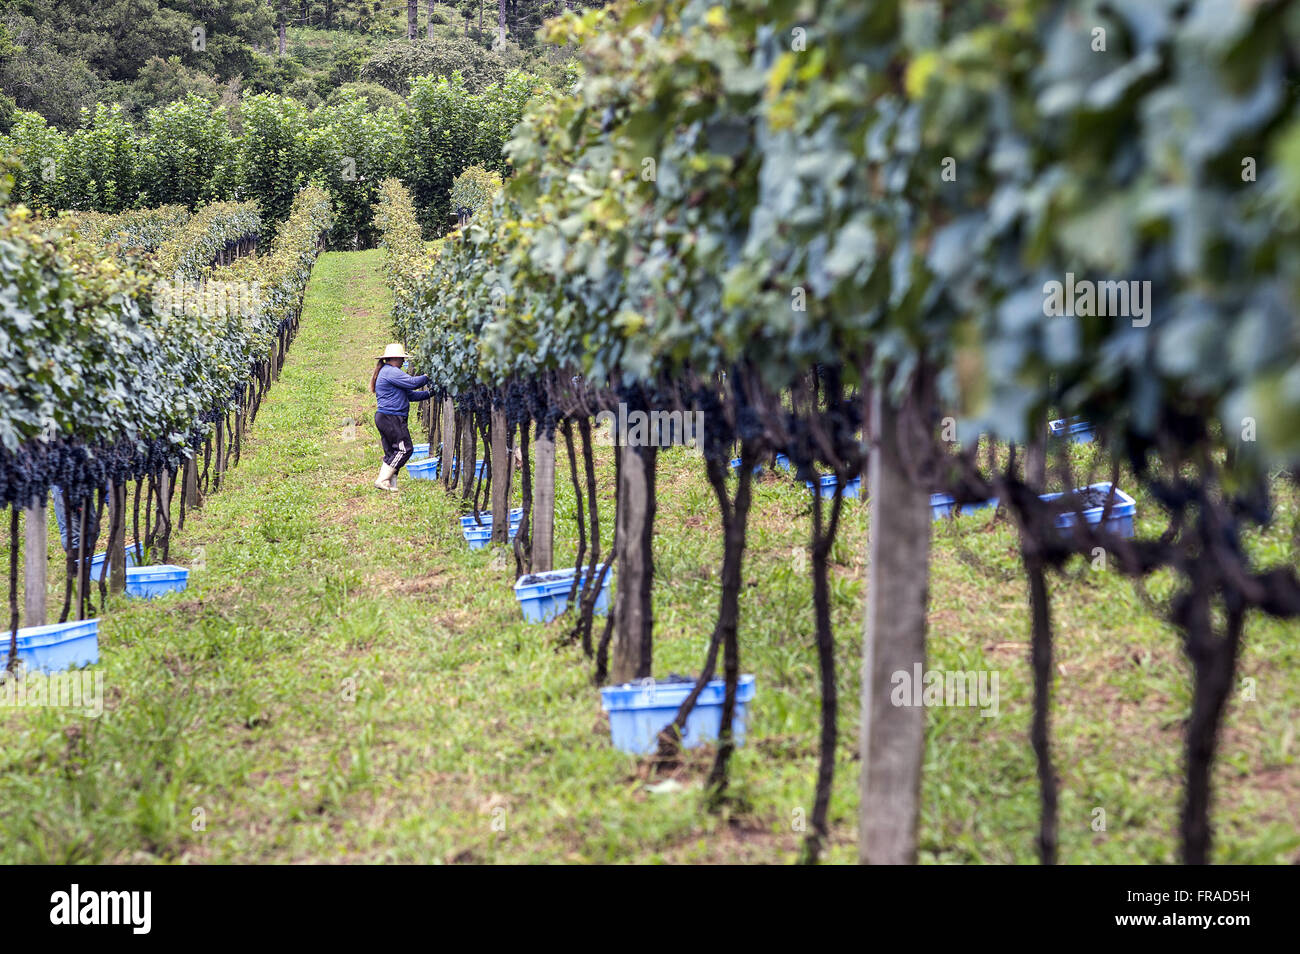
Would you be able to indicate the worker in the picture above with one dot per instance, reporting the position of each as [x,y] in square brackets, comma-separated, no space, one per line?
[394,390]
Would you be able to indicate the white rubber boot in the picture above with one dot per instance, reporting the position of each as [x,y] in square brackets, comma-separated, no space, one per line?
[386,477]
[392,481]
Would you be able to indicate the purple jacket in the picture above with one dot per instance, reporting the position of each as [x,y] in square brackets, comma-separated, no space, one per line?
[395,390]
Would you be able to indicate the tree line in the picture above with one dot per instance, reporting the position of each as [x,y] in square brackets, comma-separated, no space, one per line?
[267,148]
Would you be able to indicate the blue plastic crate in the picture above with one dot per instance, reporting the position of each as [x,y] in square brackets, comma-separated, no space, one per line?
[485,516]
[1122,510]
[478,467]
[479,537]
[420,451]
[151,581]
[941,506]
[827,482]
[429,468]
[546,595]
[639,712]
[97,562]
[58,646]
[1079,432]
[426,469]
[782,461]
[735,465]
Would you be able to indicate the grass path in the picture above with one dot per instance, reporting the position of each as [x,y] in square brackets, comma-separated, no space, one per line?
[325,690]
[344,681]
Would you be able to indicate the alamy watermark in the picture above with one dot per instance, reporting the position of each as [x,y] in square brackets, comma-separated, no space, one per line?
[651,428]
[938,688]
[1084,298]
[128,908]
[73,689]
[206,299]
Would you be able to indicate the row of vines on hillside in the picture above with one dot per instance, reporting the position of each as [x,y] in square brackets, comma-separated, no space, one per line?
[140,345]
[834,227]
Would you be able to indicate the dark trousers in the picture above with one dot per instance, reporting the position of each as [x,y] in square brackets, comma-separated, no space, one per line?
[70,527]
[395,438]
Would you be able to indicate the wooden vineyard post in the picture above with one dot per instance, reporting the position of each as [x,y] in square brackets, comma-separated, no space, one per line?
[165,510]
[468,452]
[892,738]
[36,563]
[543,515]
[191,489]
[1036,460]
[633,618]
[218,462]
[448,448]
[117,538]
[83,571]
[239,429]
[501,461]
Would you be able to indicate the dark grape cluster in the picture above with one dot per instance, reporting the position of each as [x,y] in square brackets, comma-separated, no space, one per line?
[477,400]
[78,470]
[526,401]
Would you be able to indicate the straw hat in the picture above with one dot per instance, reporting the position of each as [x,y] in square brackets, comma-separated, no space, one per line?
[394,350]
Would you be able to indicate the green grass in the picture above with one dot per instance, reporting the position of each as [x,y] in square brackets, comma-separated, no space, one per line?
[346,681]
